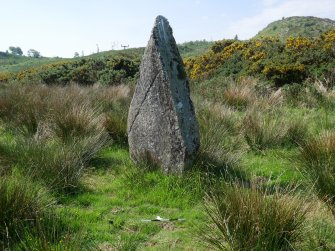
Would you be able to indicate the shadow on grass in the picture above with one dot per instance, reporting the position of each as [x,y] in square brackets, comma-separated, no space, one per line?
[105,162]
[217,169]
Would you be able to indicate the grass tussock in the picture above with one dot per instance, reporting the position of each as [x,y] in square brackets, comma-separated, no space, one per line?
[263,130]
[240,94]
[317,161]
[22,203]
[221,145]
[57,165]
[249,218]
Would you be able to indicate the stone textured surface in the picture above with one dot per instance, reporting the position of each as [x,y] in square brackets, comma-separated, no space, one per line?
[162,126]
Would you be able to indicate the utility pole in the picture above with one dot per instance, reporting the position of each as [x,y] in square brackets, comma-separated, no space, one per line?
[124,46]
[97,48]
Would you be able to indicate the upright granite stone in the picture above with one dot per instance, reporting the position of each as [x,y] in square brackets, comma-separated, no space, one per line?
[162,126]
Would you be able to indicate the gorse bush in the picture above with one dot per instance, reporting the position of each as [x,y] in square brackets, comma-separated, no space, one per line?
[317,161]
[278,62]
[249,218]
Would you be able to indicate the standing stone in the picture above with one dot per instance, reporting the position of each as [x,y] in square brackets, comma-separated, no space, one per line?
[162,126]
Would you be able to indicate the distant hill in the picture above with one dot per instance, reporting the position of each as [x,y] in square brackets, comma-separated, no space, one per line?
[13,63]
[297,26]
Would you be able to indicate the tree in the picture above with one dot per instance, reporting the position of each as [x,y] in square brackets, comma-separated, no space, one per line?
[15,50]
[76,55]
[34,53]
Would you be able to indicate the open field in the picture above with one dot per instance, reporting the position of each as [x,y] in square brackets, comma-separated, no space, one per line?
[87,187]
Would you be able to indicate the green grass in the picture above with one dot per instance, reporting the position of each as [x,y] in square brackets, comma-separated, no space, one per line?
[275,165]
[111,207]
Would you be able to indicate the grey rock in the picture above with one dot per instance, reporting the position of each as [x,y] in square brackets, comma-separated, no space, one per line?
[162,126]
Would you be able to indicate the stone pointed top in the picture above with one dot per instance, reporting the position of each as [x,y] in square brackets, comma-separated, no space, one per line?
[162,33]
[161,18]
[162,126]
[163,28]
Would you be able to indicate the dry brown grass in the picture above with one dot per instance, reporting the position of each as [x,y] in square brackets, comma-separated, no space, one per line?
[240,94]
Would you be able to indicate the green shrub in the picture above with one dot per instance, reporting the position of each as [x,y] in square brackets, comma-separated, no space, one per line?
[85,71]
[248,218]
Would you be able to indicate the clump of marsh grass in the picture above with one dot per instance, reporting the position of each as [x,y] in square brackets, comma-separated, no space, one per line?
[263,130]
[77,121]
[57,165]
[27,219]
[52,232]
[22,107]
[317,162]
[22,203]
[249,218]
[60,141]
[240,94]
[221,144]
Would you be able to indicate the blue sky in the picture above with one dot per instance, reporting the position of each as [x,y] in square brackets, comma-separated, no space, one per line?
[62,27]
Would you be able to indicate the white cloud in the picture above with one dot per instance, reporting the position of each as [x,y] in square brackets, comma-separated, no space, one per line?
[274,10]
[270,2]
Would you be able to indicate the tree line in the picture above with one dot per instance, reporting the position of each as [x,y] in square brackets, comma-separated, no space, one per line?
[17,51]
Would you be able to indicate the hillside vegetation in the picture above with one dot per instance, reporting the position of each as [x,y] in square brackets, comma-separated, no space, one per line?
[274,61]
[310,27]
[14,63]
